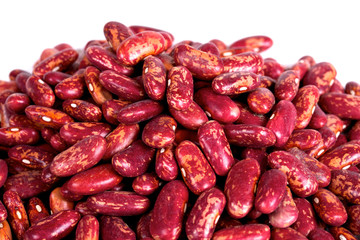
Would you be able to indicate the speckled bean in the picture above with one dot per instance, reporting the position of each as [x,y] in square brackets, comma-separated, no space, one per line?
[30,156]
[342,233]
[146,184]
[159,132]
[248,61]
[261,100]
[249,117]
[287,85]
[342,156]
[111,108]
[286,234]
[96,90]
[306,220]
[321,75]
[115,228]
[303,139]
[180,88]
[17,102]
[154,77]
[244,232]
[341,104]
[47,117]
[143,227]
[53,78]
[258,43]
[320,234]
[71,87]
[139,111]
[115,33]
[36,210]
[318,119]
[58,203]
[165,164]
[11,136]
[87,228]
[40,92]
[272,68]
[5,231]
[82,110]
[305,102]
[233,83]
[346,184]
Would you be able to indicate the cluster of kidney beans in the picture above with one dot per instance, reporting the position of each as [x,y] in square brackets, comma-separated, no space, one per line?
[134,137]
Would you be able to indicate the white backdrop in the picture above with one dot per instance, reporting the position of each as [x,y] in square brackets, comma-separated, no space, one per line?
[327,30]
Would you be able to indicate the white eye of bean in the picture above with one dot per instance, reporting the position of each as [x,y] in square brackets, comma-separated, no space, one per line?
[313,110]
[41,81]
[272,116]
[46,119]
[38,208]
[332,82]
[342,237]
[173,128]
[243,88]
[297,80]
[226,54]
[208,114]
[1,225]
[91,88]
[169,82]
[316,200]
[183,172]
[185,207]
[320,152]
[146,70]
[18,214]
[352,92]
[56,68]
[26,161]
[73,105]
[14,129]
[346,167]
[217,219]
[162,150]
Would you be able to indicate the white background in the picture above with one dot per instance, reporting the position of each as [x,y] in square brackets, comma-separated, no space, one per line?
[327,30]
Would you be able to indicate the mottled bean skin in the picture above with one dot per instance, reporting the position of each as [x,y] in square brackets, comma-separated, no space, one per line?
[201,64]
[180,89]
[11,136]
[115,228]
[20,82]
[118,203]
[58,203]
[337,87]
[72,87]
[305,102]
[195,169]
[286,233]
[342,233]
[139,111]
[79,157]
[53,227]
[303,139]
[40,92]
[146,184]
[36,210]
[96,90]
[261,100]
[17,216]
[346,184]
[249,117]
[5,231]
[320,234]
[248,61]
[204,215]
[342,156]
[246,171]
[335,124]
[165,164]
[191,118]
[124,87]
[342,105]
[216,147]
[159,132]
[329,207]
[30,156]
[22,121]
[168,212]
[134,160]
[3,172]
[219,107]
[286,213]
[87,228]
[282,121]
[3,212]
[321,75]
[47,117]
[247,135]
[244,232]
[143,226]
[115,33]
[74,132]
[57,62]
[111,108]
[235,83]
[17,102]
[154,77]
[70,196]
[287,86]
[301,180]
[306,220]
[272,68]
[258,43]
[53,78]
[270,191]
[103,177]
[82,110]
[352,88]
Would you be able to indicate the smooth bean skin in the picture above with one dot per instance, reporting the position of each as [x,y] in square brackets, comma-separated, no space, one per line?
[118,203]
[112,227]
[54,227]
[87,228]
[335,124]
[47,117]
[235,83]
[219,107]
[261,100]
[346,184]
[286,233]
[3,172]
[134,160]
[287,85]
[270,191]
[247,135]
[321,75]
[259,154]
[180,88]
[58,202]
[168,212]
[243,62]
[244,232]
[165,164]
[258,43]
[115,33]
[342,156]
[318,119]
[305,102]
[146,184]
[272,68]
[202,65]
[99,94]
[139,111]
[286,213]
[17,102]
[154,78]
[216,147]
[111,108]
[301,180]
[36,210]
[20,82]
[82,110]
[53,78]
[79,157]
[11,136]
[320,234]
[71,87]
[136,47]
[303,139]
[159,132]
[245,171]
[143,226]
[247,116]
[329,207]
[306,220]
[191,118]
[341,104]
[103,177]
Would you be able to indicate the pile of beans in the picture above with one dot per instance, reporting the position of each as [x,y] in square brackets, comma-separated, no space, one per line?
[135,137]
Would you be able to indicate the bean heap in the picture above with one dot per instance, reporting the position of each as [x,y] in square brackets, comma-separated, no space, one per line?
[134,137]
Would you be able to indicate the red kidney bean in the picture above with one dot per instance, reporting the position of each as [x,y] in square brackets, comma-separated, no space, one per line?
[328,136]
[111,108]
[286,213]
[249,117]
[306,220]
[159,132]
[168,212]
[301,180]
[352,88]
[47,117]
[17,102]
[17,215]
[3,212]
[58,143]
[247,135]
[5,231]
[180,88]
[62,46]
[287,86]
[83,209]
[115,33]
[103,177]
[219,107]
[13,74]
[3,172]
[82,110]
[165,164]
[340,104]
[258,43]
[146,184]
[353,219]
[99,94]
[27,184]
[53,78]
[272,68]
[58,203]
[22,121]
[40,92]
[282,121]
[286,233]
[195,169]
[143,227]
[79,157]
[134,160]
[342,233]
[74,132]
[245,232]
[47,177]
[139,111]
[56,226]
[72,87]
[259,154]
[70,196]
[270,191]
[248,62]
[154,77]
[318,119]
[320,234]
[329,208]
[36,210]
[209,47]
[87,228]
[303,139]
[305,102]
[232,83]
[245,171]
[345,183]
[234,51]
[115,228]
[216,147]
[321,75]
[118,203]
[57,62]
[219,44]
[342,156]
[30,156]
[47,52]
[354,133]
[335,124]
[11,136]
[261,100]
[337,87]
[202,65]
